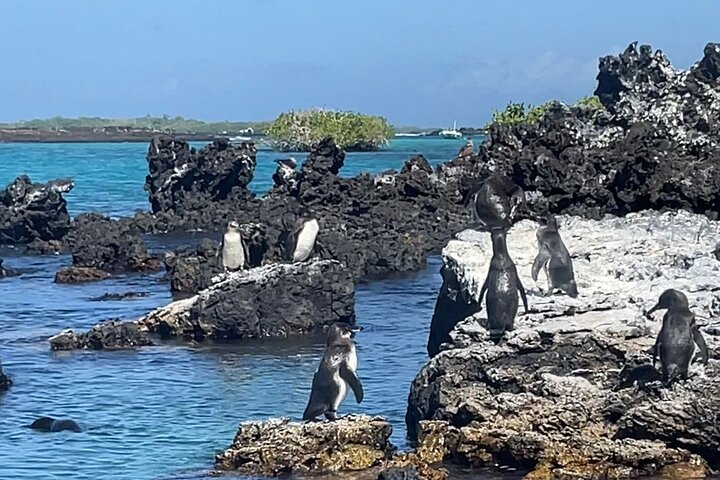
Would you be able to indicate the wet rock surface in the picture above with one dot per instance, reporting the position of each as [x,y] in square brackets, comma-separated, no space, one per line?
[276,300]
[30,211]
[80,275]
[553,396]
[111,335]
[109,297]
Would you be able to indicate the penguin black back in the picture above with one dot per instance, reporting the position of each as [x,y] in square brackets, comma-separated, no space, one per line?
[554,256]
[679,332]
[502,285]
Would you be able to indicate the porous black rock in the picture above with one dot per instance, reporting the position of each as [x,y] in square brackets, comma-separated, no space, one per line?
[185,182]
[110,245]
[276,300]
[110,335]
[30,211]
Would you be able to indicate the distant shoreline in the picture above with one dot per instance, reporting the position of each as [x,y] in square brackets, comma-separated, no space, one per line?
[97,135]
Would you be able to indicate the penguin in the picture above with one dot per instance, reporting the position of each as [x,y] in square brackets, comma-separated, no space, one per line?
[48,424]
[285,173]
[674,343]
[554,256]
[467,150]
[335,374]
[495,202]
[299,242]
[502,285]
[232,252]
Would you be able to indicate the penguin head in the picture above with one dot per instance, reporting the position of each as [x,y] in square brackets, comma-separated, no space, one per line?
[551,221]
[670,298]
[233,226]
[341,331]
[43,424]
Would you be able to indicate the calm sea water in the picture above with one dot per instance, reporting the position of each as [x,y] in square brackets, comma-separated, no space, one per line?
[163,412]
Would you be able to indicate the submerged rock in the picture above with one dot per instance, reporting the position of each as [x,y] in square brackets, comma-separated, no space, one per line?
[49,424]
[281,447]
[550,397]
[106,297]
[276,300]
[30,211]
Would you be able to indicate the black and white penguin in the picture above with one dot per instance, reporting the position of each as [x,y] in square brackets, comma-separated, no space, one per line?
[335,375]
[232,252]
[495,202]
[48,424]
[502,285]
[285,173]
[299,242]
[555,258]
[674,343]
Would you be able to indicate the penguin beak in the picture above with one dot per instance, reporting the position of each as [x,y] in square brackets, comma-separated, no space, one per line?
[652,310]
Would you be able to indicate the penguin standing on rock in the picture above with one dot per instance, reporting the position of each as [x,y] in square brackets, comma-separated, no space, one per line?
[674,343]
[300,241]
[335,375]
[495,202]
[233,253]
[502,286]
[554,256]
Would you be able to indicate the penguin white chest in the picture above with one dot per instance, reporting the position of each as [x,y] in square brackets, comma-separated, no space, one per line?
[305,241]
[233,254]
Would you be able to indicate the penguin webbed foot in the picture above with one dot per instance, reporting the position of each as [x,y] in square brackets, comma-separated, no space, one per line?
[331,415]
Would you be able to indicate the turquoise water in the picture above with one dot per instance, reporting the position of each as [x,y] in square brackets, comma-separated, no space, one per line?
[109,177]
[163,412]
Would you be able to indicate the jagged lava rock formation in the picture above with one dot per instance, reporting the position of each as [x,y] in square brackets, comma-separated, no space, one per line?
[275,300]
[549,397]
[30,211]
[659,123]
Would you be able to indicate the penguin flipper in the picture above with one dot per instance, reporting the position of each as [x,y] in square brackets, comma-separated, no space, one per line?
[700,341]
[246,251]
[541,259]
[218,254]
[483,290]
[352,380]
[523,295]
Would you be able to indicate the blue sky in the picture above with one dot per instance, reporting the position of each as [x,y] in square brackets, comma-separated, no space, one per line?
[416,62]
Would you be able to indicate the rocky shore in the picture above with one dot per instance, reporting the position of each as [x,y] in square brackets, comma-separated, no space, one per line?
[90,135]
[276,300]
[557,396]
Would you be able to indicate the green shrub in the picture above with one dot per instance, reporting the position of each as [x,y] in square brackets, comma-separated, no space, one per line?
[592,102]
[298,130]
[516,113]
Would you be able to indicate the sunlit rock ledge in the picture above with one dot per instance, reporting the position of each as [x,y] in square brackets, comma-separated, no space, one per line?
[275,300]
[555,396]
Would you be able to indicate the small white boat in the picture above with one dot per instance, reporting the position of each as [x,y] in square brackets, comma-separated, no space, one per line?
[239,139]
[454,133]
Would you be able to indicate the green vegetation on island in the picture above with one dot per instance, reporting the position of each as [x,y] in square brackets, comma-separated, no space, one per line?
[298,130]
[158,124]
[517,113]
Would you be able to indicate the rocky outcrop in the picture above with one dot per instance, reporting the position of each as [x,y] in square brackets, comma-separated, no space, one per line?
[276,300]
[278,447]
[658,123]
[112,335]
[185,182]
[191,270]
[557,395]
[30,211]
[108,297]
[109,245]
[80,275]
[355,447]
